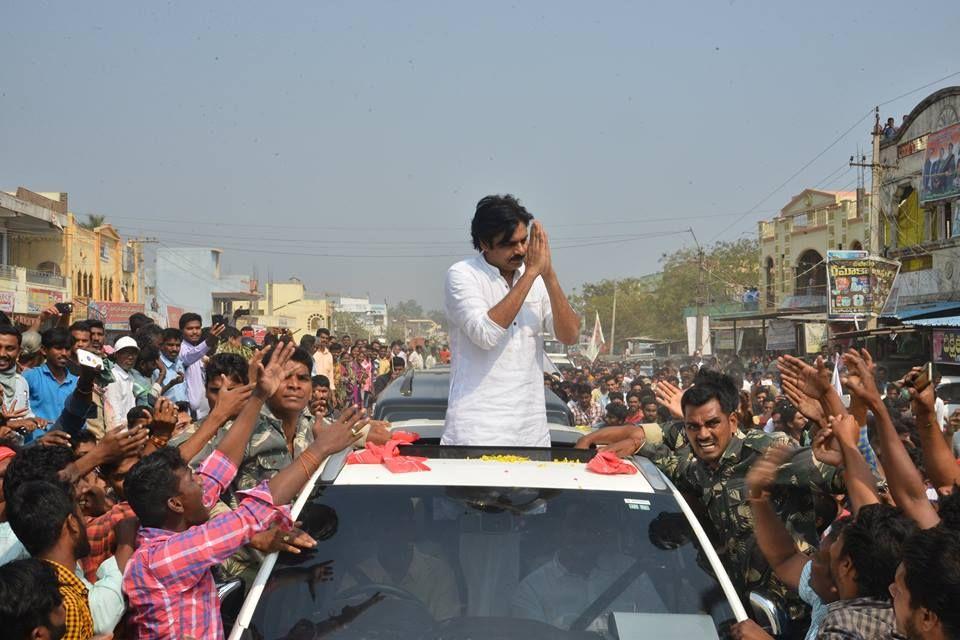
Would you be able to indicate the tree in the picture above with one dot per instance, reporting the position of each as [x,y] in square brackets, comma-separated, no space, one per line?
[439,316]
[93,221]
[345,322]
[407,310]
[655,308]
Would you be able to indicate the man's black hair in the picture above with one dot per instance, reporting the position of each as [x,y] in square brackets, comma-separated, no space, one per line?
[57,337]
[634,394]
[93,323]
[397,362]
[617,411]
[308,341]
[497,217]
[182,406]
[83,437]
[10,330]
[645,400]
[29,593]
[36,511]
[37,463]
[874,542]
[171,333]
[323,331]
[138,413]
[299,355]
[931,562]
[230,333]
[320,381]
[948,508]
[584,388]
[787,412]
[614,395]
[231,365]
[139,320]
[189,317]
[148,334]
[712,385]
[151,482]
[80,325]
[147,353]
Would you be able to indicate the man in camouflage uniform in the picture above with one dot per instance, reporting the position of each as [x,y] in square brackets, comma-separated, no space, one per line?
[712,466]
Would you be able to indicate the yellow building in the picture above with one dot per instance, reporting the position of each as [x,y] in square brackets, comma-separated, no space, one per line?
[286,305]
[94,265]
[794,245]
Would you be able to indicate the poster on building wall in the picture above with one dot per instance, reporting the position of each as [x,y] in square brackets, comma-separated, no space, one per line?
[781,335]
[7,300]
[858,286]
[40,299]
[946,346]
[116,315]
[941,177]
[173,316]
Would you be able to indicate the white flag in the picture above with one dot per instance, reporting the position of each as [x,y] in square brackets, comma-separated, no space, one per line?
[596,340]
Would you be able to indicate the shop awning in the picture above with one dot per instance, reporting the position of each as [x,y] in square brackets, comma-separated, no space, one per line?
[914,311]
[946,321]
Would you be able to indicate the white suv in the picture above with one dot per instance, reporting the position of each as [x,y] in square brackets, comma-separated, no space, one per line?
[498,543]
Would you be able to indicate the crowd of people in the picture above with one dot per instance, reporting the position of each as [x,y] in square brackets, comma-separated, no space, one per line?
[837,501]
[158,466]
[137,475]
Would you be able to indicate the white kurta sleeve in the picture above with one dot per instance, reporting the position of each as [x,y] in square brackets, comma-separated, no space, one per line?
[467,309]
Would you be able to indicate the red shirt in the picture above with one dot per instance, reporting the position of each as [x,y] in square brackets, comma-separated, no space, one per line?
[103,538]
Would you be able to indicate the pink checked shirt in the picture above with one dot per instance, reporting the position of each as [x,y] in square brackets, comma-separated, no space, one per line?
[168,580]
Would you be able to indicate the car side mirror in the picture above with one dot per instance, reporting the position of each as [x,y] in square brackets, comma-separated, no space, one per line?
[767,614]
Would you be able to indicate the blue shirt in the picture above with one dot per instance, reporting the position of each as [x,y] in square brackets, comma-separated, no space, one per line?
[178,392]
[47,396]
[808,595]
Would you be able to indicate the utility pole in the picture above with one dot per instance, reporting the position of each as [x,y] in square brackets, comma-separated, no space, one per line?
[613,321]
[876,177]
[698,340]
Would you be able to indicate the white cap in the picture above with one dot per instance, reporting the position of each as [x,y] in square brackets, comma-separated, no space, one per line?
[126,342]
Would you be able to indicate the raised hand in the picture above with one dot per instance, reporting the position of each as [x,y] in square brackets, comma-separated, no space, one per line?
[538,259]
[344,431]
[814,381]
[845,428]
[826,449]
[270,378]
[213,335]
[231,401]
[118,444]
[669,395]
[860,378]
[55,438]
[278,539]
[922,402]
[804,403]
[763,474]
[164,418]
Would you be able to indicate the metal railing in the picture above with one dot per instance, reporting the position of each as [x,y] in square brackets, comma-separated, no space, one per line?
[42,277]
[8,272]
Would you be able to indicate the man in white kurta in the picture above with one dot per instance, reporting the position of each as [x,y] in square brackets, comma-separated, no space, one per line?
[499,303]
[496,374]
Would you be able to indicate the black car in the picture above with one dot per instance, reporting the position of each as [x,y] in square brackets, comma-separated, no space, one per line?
[423,395]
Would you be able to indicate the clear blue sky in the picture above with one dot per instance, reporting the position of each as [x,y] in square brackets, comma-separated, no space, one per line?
[293,131]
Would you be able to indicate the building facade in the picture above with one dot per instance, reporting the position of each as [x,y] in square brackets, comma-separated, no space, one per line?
[288,306]
[794,245]
[920,200]
[371,316]
[190,279]
[61,258]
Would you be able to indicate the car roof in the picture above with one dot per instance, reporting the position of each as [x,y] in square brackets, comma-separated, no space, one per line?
[428,390]
[529,467]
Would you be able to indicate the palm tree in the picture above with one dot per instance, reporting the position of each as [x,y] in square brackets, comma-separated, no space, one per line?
[93,221]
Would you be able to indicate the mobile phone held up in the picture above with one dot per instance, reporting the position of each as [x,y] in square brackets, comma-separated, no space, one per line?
[65,308]
[87,359]
[923,381]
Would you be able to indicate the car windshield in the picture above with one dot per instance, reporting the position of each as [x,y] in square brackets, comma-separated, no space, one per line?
[469,562]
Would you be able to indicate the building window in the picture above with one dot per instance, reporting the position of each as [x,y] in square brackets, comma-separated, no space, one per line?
[315,322]
[78,287]
[811,278]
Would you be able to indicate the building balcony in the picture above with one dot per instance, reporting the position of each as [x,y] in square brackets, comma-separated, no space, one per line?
[45,278]
[25,291]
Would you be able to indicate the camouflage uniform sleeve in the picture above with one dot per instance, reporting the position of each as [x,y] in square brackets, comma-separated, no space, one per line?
[673,464]
[804,470]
